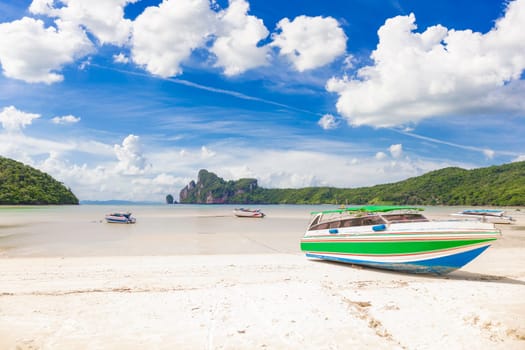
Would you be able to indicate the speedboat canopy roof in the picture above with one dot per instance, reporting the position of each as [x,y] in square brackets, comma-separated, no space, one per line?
[368,209]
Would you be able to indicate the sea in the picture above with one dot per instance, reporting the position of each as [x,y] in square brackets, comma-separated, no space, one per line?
[80,230]
[162,229]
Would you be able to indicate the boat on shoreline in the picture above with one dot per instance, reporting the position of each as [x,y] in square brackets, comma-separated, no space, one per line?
[495,216]
[120,218]
[248,213]
[395,238]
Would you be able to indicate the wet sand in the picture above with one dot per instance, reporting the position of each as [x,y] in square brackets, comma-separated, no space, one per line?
[259,293]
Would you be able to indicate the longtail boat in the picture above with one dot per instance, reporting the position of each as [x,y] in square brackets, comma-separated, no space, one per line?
[395,238]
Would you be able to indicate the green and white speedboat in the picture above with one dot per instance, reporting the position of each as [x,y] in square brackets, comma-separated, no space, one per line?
[396,238]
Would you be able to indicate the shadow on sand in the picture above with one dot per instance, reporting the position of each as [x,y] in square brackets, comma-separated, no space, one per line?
[457,275]
[480,277]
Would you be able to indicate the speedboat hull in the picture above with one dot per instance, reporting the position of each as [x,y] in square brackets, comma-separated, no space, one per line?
[426,247]
[441,262]
[112,220]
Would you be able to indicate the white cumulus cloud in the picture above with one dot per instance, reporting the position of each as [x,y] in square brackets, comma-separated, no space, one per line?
[328,122]
[164,36]
[396,150]
[130,157]
[437,72]
[161,39]
[31,52]
[14,120]
[381,155]
[103,18]
[237,38]
[310,42]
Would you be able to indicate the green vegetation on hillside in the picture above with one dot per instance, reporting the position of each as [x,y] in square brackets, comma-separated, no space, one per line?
[502,185]
[22,184]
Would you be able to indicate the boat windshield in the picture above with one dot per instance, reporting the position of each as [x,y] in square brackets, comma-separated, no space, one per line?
[364,216]
[406,217]
[321,222]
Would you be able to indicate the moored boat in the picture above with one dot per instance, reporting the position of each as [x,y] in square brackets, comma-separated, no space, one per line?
[120,218]
[248,213]
[495,216]
[395,238]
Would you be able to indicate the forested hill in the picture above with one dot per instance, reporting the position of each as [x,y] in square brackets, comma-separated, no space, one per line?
[502,185]
[22,184]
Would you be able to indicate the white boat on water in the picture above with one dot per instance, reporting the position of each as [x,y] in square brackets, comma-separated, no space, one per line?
[120,218]
[248,213]
[495,216]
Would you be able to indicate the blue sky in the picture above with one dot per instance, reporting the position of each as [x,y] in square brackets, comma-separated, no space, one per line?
[124,99]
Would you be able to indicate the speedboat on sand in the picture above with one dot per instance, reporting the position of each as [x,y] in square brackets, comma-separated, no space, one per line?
[120,218]
[496,216]
[395,238]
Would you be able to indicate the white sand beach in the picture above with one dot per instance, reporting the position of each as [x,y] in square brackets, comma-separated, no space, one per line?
[267,298]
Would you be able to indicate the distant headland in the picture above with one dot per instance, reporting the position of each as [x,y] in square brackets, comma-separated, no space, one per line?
[502,185]
[22,184]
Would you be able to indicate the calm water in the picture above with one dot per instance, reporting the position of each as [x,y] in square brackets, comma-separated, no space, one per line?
[160,230]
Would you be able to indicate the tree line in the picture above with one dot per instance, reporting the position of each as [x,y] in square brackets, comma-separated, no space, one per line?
[502,185]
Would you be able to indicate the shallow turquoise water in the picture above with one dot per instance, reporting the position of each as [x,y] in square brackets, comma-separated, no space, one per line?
[160,230]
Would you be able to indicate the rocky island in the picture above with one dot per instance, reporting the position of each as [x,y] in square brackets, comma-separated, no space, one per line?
[211,189]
